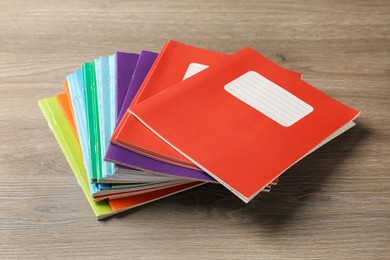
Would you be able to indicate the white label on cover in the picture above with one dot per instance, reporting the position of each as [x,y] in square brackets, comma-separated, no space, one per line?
[268,98]
[194,68]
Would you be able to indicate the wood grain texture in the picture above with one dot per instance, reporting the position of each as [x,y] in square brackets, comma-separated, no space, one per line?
[334,204]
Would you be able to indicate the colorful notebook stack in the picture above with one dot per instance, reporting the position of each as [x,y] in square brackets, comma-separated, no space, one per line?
[139,127]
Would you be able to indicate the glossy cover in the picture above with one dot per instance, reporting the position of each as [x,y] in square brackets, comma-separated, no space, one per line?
[236,140]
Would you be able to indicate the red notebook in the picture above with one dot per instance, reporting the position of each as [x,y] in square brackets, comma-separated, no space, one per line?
[244,120]
[175,62]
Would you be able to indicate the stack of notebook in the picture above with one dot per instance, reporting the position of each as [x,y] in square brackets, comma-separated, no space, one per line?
[139,127]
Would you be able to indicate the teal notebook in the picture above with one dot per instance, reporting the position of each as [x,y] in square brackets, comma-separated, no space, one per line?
[76,91]
[92,120]
[106,97]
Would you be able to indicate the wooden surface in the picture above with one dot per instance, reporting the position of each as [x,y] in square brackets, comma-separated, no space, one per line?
[332,205]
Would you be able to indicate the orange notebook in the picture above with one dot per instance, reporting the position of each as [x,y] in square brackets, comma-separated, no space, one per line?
[73,124]
[126,203]
[244,120]
[63,100]
[175,62]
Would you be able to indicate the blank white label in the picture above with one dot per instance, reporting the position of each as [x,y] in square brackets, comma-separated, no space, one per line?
[194,68]
[268,98]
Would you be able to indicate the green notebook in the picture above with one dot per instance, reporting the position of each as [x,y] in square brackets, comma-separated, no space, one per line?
[71,149]
[91,112]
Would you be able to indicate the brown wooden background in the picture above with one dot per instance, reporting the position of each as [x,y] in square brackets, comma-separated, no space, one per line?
[333,204]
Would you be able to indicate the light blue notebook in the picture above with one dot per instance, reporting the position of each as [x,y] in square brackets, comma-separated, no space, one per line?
[76,86]
[105,86]
[113,79]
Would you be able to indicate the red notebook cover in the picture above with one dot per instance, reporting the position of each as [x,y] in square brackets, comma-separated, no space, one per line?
[244,120]
[175,62]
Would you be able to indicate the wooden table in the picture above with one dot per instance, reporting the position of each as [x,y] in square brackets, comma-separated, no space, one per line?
[333,204]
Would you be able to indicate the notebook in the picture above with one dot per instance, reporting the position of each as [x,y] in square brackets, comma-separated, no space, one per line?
[106,96]
[125,65]
[76,91]
[144,63]
[71,112]
[63,102]
[244,121]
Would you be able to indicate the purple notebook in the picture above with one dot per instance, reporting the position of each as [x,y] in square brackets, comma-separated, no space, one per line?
[145,62]
[131,72]
[125,66]
[124,157]
[131,159]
